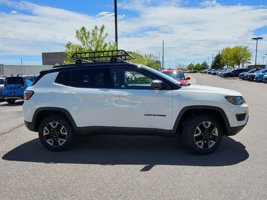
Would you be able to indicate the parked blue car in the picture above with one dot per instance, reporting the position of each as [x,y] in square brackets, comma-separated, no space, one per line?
[252,76]
[234,72]
[2,81]
[14,87]
[246,75]
[259,75]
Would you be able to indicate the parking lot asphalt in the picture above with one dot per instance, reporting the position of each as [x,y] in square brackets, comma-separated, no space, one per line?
[137,167]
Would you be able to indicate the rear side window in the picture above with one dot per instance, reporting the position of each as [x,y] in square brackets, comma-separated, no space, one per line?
[14,80]
[85,78]
[90,78]
[64,78]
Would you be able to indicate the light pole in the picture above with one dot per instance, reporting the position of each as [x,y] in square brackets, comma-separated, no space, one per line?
[162,61]
[116,23]
[257,39]
[263,58]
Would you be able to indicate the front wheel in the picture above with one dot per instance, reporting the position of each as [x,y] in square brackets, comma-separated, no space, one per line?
[55,133]
[202,134]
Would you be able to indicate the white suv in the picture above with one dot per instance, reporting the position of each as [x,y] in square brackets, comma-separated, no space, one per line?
[118,97]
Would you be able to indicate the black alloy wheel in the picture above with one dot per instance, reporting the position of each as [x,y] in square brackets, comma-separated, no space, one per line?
[55,133]
[202,134]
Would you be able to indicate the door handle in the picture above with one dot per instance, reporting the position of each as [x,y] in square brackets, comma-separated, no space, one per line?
[120,95]
[69,93]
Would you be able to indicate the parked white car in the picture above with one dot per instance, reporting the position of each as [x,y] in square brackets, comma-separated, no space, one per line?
[121,97]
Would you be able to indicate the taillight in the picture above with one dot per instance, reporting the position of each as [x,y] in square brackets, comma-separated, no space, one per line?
[28,94]
[24,84]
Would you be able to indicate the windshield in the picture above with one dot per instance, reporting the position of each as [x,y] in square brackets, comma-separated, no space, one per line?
[14,80]
[1,81]
[260,71]
[161,74]
[175,75]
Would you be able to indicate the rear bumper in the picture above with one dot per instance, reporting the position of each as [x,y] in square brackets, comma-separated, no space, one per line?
[13,97]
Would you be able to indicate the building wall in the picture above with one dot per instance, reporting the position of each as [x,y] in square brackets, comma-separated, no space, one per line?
[257,66]
[7,70]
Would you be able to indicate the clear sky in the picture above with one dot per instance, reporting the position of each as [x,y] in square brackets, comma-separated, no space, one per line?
[193,30]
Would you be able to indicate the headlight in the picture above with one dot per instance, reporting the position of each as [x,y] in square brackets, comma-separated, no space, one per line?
[236,100]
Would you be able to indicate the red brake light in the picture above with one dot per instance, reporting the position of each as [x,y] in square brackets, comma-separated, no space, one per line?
[24,84]
[28,94]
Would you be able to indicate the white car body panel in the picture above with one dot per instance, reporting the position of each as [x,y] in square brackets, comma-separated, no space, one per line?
[142,108]
[157,109]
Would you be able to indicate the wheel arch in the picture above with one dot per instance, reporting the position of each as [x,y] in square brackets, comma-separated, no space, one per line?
[186,112]
[41,113]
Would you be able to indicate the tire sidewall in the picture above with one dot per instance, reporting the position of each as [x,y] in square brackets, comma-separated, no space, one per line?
[65,123]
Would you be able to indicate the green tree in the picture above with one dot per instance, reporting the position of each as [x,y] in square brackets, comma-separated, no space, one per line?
[146,59]
[236,55]
[94,40]
[191,66]
[241,55]
[198,67]
[204,65]
[217,62]
[227,57]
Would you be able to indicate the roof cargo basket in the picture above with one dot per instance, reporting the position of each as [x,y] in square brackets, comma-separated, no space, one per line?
[101,56]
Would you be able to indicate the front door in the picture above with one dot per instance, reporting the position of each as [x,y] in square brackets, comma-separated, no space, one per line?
[136,104]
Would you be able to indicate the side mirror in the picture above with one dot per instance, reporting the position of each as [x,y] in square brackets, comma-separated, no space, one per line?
[187,78]
[157,85]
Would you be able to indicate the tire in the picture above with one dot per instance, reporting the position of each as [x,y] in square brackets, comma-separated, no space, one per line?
[55,133]
[202,134]
[11,101]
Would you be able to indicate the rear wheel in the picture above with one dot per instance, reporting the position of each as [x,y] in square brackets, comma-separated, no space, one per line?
[202,134]
[55,133]
[11,101]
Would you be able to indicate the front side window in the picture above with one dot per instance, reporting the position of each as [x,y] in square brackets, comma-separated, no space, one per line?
[130,79]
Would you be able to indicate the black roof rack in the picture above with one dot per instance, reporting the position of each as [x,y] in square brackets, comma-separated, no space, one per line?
[101,56]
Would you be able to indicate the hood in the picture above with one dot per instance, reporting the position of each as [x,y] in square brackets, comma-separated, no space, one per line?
[210,89]
[183,82]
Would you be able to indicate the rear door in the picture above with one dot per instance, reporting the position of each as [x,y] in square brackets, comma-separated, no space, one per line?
[87,96]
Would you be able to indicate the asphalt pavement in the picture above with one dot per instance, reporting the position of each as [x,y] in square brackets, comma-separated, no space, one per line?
[137,167]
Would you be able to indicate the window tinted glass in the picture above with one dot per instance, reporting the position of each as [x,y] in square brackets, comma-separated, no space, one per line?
[14,80]
[64,78]
[130,79]
[175,75]
[90,78]
[85,78]
[1,81]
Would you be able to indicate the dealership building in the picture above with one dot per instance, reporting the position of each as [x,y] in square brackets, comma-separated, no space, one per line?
[7,70]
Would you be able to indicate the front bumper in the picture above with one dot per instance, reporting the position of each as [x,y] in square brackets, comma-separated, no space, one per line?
[234,130]
[29,125]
